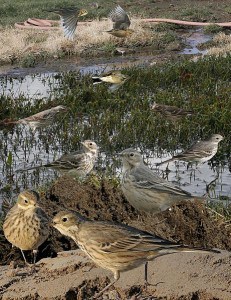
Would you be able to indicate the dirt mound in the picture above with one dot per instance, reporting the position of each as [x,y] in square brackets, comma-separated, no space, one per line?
[189,223]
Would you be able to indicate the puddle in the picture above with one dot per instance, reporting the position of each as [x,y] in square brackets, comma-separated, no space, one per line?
[42,81]
[28,149]
[193,40]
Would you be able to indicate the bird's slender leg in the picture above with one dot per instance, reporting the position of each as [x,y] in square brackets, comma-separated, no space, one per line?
[146,273]
[116,276]
[24,258]
[35,255]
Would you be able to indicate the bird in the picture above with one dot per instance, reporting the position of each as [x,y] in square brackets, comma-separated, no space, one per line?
[69,19]
[147,191]
[144,189]
[199,152]
[114,77]
[121,23]
[171,112]
[26,225]
[43,118]
[115,247]
[75,164]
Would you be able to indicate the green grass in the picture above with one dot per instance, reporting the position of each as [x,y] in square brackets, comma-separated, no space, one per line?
[18,11]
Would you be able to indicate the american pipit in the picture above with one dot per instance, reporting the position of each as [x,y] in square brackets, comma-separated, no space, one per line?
[114,247]
[145,190]
[75,164]
[121,23]
[115,77]
[171,112]
[26,225]
[200,152]
[43,118]
[69,19]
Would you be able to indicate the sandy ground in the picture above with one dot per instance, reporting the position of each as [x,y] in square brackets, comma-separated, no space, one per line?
[62,272]
[72,276]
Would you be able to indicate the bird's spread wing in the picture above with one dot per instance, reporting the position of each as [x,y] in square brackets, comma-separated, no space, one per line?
[69,20]
[144,178]
[119,18]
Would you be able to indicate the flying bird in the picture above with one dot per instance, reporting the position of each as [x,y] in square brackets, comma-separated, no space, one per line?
[69,19]
[115,78]
[121,23]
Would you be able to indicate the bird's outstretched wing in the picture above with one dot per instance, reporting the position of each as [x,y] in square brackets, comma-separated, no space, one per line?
[119,18]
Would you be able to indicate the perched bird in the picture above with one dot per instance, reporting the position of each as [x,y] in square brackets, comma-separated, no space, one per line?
[69,19]
[121,23]
[114,247]
[144,189]
[200,152]
[43,118]
[75,164]
[171,112]
[115,77]
[26,225]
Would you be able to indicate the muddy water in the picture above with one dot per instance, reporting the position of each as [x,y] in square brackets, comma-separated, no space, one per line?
[31,149]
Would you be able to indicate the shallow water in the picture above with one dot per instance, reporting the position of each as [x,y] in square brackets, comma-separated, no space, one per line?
[32,149]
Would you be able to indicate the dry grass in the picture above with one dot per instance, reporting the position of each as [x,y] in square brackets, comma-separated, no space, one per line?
[17,43]
[223,44]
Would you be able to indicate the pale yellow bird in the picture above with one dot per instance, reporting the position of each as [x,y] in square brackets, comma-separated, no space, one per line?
[26,225]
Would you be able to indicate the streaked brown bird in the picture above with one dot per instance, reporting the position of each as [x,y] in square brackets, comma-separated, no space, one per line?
[114,247]
[121,23]
[146,190]
[171,112]
[199,152]
[69,19]
[26,225]
[75,164]
[43,118]
[114,77]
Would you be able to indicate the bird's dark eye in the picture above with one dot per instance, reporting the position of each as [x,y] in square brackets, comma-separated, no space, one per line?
[64,219]
[26,201]
[90,144]
[132,154]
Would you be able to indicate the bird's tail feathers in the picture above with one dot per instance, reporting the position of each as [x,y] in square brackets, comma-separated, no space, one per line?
[186,249]
[28,169]
[166,161]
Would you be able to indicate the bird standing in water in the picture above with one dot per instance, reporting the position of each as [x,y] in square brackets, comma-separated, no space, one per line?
[199,152]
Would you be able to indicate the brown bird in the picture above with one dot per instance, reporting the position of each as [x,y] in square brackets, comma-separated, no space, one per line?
[171,112]
[199,152]
[114,247]
[121,23]
[26,225]
[43,118]
[69,19]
